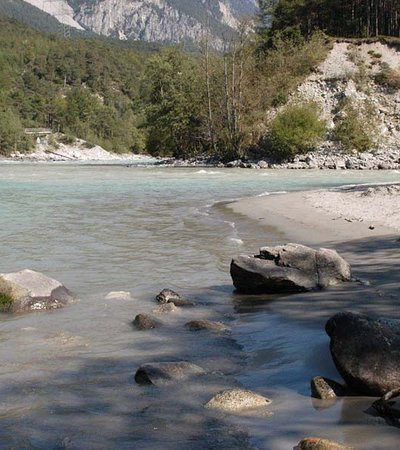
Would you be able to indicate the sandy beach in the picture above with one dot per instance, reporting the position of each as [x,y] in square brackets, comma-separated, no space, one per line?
[316,217]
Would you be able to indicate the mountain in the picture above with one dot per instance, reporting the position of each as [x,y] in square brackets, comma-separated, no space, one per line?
[145,20]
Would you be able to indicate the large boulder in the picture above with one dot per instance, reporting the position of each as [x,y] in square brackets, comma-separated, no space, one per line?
[28,290]
[366,352]
[288,268]
[166,372]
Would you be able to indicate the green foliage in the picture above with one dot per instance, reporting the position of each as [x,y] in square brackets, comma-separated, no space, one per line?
[6,302]
[12,137]
[295,130]
[354,128]
[88,88]
[173,111]
[165,102]
[349,18]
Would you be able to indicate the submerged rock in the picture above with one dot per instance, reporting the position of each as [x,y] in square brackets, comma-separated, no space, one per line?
[118,295]
[145,322]
[167,372]
[237,400]
[288,268]
[28,290]
[199,325]
[326,389]
[315,443]
[165,308]
[170,296]
[366,352]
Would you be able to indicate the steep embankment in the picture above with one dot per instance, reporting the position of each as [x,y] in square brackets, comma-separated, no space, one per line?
[358,86]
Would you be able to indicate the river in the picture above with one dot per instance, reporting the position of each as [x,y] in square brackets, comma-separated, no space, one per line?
[67,377]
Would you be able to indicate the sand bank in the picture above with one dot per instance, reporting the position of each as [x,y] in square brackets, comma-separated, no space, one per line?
[316,217]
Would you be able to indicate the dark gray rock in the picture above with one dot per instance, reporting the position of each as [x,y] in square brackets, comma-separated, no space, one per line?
[389,404]
[288,268]
[170,296]
[316,443]
[198,325]
[145,322]
[28,290]
[326,389]
[366,352]
[167,372]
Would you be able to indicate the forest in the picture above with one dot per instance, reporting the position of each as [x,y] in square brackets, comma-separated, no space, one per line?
[169,102]
[343,18]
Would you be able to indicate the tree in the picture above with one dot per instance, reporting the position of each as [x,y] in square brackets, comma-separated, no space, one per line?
[175,99]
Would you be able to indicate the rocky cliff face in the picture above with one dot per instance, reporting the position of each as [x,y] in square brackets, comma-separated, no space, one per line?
[151,20]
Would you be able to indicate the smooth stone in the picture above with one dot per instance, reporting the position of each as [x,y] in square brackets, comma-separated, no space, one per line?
[170,296]
[326,389]
[365,352]
[145,322]
[288,268]
[315,443]
[118,295]
[28,290]
[199,325]
[167,372]
[237,400]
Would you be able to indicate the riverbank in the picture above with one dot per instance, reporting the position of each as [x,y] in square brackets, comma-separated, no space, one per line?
[369,240]
[76,151]
[315,217]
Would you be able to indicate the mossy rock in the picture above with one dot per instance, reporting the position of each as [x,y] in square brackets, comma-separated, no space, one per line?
[6,303]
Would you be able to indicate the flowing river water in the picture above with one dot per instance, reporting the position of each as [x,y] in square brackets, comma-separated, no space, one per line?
[67,377]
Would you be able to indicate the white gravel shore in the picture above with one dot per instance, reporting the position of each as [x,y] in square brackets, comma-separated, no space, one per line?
[78,151]
[377,206]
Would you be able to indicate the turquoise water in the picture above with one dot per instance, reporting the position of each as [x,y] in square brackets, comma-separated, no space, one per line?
[67,377]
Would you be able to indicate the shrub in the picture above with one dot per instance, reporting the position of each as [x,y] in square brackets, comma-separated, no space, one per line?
[295,130]
[67,139]
[354,128]
[389,77]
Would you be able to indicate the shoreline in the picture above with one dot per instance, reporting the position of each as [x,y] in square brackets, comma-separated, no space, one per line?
[317,216]
[294,324]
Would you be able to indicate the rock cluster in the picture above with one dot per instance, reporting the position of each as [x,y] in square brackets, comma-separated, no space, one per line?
[288,268]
